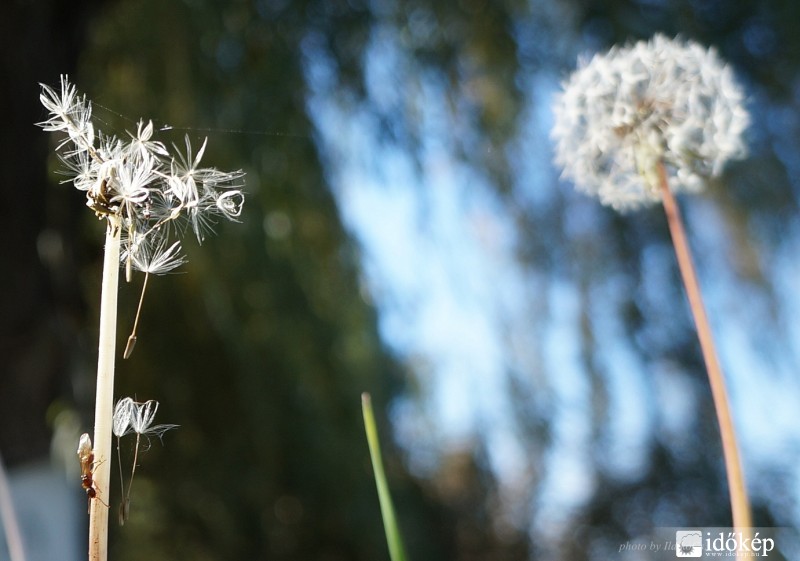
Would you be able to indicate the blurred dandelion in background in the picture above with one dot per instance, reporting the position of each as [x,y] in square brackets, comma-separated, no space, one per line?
[664,100]
[639,123]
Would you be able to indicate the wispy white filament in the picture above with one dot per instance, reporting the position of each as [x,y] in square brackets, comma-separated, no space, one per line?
[622,112]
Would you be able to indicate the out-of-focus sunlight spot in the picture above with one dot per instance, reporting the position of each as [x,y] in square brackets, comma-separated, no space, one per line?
[277,225]
[569,482]
[678,394]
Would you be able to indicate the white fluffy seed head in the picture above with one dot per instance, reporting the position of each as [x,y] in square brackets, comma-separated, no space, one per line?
[152,191]
[622,112]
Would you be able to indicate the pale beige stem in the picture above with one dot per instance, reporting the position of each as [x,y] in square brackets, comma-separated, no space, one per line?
[104,404]
[13,533]
[740,505]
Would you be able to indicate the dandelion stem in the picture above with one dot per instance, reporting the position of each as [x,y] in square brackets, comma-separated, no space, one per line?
[104,404]
[122,516]
[132,338]
[740,505]
[127,500]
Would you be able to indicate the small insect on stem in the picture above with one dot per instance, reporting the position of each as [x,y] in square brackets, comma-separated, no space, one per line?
[86,458]
[99,201]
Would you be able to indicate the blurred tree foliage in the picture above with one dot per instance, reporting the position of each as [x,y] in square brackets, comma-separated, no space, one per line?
[261,348]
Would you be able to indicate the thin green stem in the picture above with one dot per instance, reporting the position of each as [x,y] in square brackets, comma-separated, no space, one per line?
[740,506]
[393,538]
[104,398]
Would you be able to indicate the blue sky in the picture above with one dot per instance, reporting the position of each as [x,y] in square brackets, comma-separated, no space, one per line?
[439,259]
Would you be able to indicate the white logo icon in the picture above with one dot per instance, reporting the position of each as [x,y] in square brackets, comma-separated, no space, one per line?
[688,543]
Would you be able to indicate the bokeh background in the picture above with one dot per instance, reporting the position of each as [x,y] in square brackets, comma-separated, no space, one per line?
[539,385]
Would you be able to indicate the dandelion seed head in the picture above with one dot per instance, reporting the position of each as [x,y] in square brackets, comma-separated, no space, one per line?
[122,417]
[663,100]
[230,203]
[142,146]
[151,255]
[143,415]
[151,192]
[137,417]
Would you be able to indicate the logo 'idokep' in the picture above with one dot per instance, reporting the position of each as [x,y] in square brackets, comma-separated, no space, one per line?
[688,543]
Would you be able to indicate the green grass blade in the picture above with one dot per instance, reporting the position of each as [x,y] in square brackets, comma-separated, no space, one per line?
[396,550]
